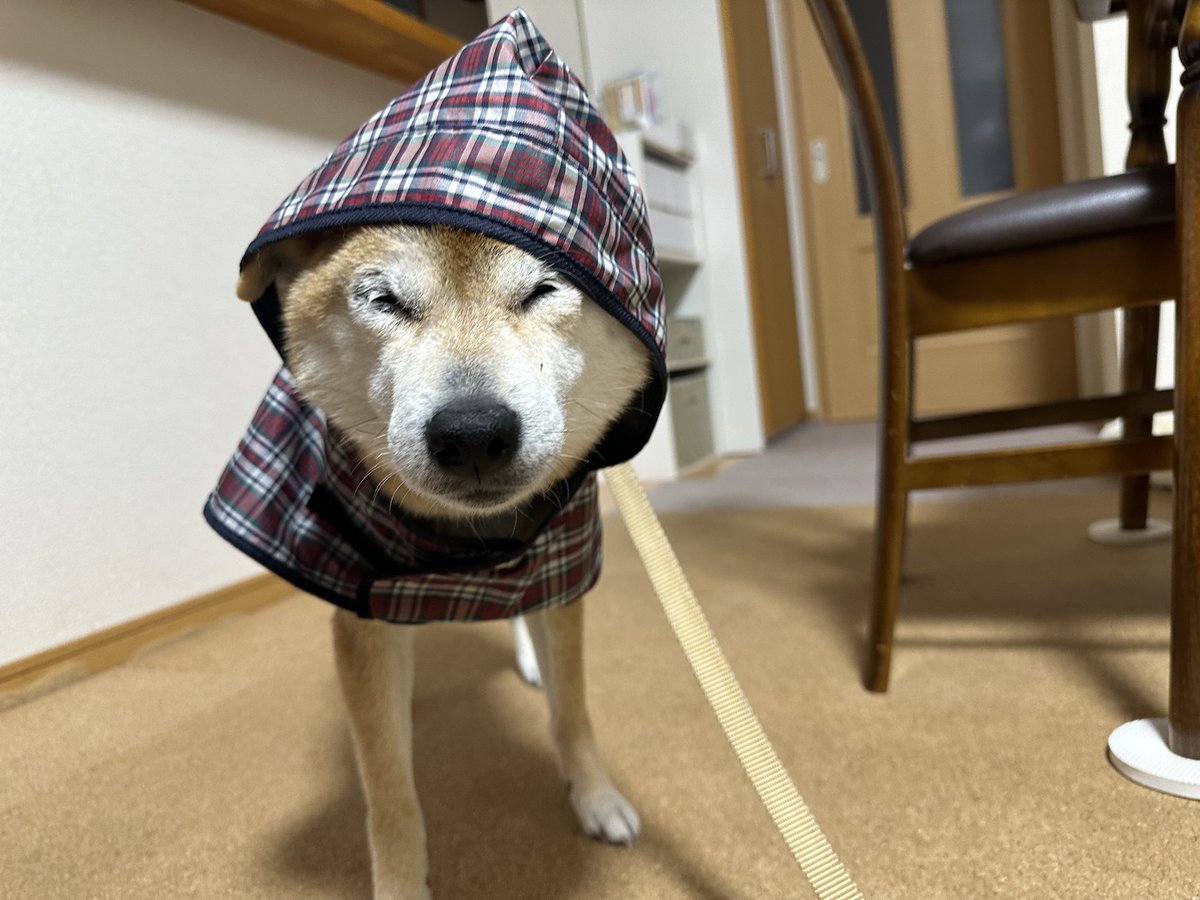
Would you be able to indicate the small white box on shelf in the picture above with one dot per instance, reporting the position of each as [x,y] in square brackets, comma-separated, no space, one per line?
[632,101]
[672,137]
[674,235]
[685,344]
[667,187]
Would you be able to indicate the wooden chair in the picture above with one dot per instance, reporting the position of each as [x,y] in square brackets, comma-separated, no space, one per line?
[1062,251]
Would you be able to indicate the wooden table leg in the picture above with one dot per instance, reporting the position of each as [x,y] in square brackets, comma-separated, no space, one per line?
[1184,707]
[1164,754]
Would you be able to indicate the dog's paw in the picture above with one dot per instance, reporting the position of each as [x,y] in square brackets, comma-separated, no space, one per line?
[527,663]
[605,815]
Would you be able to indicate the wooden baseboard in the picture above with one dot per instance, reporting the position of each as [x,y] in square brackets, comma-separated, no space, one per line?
[33,675]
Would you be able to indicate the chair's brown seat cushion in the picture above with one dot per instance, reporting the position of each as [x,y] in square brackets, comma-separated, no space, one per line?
[1067,212]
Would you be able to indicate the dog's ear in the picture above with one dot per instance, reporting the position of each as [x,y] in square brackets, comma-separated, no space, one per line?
[284,258]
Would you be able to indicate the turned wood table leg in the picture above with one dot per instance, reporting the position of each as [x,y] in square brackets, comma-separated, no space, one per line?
[1164,754]
[1184,707]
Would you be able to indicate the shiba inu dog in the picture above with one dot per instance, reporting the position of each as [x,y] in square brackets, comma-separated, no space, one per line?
[474,378]
[472,323]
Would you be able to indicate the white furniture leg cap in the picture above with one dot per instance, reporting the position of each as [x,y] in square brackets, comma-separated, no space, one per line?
[1110,532]
[1139,751]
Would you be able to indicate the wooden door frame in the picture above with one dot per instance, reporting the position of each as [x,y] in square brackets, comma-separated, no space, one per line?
[742,156]
[792,160]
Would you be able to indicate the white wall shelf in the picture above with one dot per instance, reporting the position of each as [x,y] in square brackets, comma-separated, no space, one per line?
[684,436]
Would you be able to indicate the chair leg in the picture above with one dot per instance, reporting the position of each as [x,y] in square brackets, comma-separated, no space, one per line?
[1134,502]
[890,521]
[1139,367]
[891,511]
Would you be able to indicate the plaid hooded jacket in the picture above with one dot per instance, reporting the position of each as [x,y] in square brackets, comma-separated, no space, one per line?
[500,139]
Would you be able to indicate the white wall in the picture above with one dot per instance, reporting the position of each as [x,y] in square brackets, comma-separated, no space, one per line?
[681,42]
[143,145]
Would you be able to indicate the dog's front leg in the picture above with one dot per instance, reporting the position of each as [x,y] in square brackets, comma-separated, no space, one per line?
[558,637]
[375,668]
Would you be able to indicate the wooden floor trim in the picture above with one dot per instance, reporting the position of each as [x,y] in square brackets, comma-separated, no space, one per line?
[113,646]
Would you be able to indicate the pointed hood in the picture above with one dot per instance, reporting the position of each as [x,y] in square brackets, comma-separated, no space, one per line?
[501,139]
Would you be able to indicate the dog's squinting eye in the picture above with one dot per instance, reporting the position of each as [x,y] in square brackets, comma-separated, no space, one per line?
[538,292]
[389,303]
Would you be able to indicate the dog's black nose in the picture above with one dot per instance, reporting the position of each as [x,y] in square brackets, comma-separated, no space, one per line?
[473,437]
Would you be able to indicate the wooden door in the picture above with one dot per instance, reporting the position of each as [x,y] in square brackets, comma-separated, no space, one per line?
[969,92]
[764,211]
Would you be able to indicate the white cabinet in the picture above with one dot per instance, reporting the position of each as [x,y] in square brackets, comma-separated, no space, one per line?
[665,172]
[684,436]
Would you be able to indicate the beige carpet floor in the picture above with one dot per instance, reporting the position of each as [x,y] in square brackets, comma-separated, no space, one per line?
[219,766]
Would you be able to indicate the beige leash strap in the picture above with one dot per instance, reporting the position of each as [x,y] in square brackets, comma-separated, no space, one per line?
[804,837]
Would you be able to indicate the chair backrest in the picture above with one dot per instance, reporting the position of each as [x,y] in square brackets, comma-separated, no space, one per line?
[849,61]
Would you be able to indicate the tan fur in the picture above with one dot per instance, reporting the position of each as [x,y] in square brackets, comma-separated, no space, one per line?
[566,356]
[568,368]
[280,263]
[375,670]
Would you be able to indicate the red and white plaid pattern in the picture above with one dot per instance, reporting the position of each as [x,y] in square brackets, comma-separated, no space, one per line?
[294,498]
[504,138]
